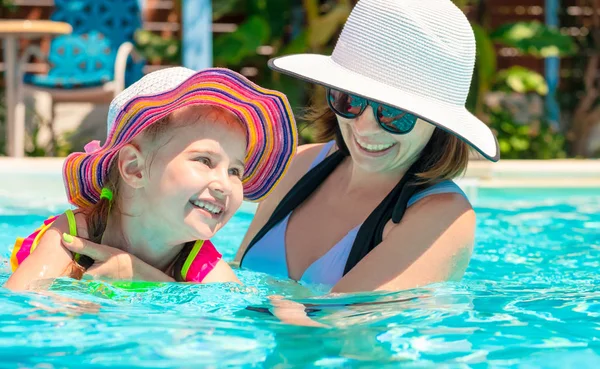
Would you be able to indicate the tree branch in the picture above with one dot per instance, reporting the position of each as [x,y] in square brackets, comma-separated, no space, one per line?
[595,116]
[595,15]
[591,71]
[312,10]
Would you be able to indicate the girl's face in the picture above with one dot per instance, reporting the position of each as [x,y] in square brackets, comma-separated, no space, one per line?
[194,176]
[376,150]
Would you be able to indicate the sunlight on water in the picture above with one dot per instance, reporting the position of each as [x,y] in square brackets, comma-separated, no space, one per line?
[530,299]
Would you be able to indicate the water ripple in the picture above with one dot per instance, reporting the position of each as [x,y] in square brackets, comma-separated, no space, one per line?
[530,299]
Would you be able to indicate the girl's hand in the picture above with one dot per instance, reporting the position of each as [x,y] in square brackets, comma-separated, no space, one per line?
[113,263]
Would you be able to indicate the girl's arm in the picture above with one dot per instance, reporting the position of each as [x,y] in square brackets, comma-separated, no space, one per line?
[49,259]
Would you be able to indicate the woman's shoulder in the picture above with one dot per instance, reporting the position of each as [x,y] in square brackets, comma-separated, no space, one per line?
[307,153]
[445,198]
[439,208]
[443,187]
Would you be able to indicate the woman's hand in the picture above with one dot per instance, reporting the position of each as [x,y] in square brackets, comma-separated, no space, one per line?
[113,263]
[292,312]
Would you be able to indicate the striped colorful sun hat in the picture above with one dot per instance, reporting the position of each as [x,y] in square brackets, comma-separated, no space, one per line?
[271,129]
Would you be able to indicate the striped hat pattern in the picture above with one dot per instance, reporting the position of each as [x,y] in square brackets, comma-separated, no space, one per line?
[267,115]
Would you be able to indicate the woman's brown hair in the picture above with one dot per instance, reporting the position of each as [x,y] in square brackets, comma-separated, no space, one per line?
[445,156]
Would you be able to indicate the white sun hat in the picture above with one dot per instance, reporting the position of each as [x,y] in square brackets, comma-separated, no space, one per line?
[416,55]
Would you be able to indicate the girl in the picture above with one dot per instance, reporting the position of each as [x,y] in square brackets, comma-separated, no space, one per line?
[183,149]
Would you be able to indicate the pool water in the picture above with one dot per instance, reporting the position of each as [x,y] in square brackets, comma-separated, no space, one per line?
[530,299]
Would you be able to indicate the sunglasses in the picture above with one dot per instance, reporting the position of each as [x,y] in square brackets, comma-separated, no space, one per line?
[393,120]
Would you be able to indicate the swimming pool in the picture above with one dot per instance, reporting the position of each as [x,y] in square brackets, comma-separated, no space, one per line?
[530,298]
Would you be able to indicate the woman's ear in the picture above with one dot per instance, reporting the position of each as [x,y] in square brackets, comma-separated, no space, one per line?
[131,166]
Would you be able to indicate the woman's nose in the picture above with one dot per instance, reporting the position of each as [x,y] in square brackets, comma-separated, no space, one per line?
[365,124]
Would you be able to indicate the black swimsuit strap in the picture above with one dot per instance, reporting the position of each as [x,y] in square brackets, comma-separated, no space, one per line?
[370,233]
[300,192]
[393,206]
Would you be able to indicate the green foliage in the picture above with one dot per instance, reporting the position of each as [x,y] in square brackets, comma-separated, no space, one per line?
[530,38]
[2,122]
[534,140]
[521,80]
[535,38]
[282,27]
[57,146]
[233,48]
[8,5]
[156,49]
[485,69]
[272,28]
[221,8]
[264,24]
[270,23]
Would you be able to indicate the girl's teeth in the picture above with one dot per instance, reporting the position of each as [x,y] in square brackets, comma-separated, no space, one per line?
[208,206]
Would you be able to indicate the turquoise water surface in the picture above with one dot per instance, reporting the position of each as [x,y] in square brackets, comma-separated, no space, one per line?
[530,299]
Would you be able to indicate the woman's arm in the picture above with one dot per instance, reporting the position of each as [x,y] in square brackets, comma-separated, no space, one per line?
[113,263]
[49,259]
[292,312]
[432,243]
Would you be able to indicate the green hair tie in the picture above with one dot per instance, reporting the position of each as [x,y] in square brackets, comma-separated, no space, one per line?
[106,194]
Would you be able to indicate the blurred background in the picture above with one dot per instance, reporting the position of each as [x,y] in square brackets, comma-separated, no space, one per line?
[536,80]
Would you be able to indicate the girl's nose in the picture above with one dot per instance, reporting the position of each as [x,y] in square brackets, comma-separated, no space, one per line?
[221,183]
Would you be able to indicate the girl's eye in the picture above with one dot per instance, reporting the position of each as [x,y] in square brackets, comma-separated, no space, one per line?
[235,172]
[205,161]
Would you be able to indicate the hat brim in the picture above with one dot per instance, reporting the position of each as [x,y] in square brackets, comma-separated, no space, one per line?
[455,119]
[267,115]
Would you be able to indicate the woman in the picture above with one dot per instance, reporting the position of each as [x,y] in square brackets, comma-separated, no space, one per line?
[375,207]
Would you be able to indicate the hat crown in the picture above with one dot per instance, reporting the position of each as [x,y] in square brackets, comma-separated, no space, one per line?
[424,47]
[162,80]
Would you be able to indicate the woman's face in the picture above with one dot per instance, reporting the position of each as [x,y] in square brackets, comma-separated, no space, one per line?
[376,150]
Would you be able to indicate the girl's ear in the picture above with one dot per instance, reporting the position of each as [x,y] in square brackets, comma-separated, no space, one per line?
[131,166]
